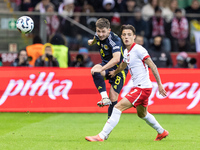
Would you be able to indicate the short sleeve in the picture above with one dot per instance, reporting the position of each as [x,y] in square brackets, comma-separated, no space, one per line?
[142,53]
[117,46]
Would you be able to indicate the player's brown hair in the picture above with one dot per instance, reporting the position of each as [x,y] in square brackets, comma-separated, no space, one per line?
[128,26]
[103,23]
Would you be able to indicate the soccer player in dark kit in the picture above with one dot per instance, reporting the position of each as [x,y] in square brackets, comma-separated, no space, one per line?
[110,48]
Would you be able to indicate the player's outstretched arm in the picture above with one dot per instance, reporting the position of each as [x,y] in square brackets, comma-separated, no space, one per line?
[92,41]
[121,67]
[113,61]
[154,69]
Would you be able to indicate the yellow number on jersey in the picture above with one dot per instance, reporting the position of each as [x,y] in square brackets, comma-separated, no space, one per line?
[117,81]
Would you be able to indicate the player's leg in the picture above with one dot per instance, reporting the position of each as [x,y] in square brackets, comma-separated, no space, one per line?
[150,120]
[112,121]
[113,95]
[116,85]
[99,82]
[124,104]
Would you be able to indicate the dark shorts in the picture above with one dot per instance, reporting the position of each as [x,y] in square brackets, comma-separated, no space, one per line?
[118,81]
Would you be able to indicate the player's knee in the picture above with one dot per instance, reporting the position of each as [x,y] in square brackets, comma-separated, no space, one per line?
[96,75]
[113,97]
[91,71]
[141,114]
[119,107]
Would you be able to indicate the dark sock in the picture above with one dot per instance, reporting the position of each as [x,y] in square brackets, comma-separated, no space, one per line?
[110,108]
[99,82]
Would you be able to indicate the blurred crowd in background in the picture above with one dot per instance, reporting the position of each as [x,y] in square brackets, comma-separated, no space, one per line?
[162,27]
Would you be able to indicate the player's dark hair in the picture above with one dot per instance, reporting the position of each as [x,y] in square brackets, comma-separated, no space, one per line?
[128,26]
[103,23]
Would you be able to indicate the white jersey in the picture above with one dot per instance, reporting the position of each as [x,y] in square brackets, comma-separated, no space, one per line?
[135,58]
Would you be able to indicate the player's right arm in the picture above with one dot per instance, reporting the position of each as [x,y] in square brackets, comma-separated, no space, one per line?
[121,67]
[92,41]
[154,70]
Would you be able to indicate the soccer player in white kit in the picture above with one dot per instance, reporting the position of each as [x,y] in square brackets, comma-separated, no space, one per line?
[137,59]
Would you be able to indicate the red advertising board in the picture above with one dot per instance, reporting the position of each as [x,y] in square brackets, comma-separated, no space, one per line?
[73,90]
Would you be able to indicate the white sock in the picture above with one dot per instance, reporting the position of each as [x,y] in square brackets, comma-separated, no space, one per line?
[150,120]
[111,123]
[104,94]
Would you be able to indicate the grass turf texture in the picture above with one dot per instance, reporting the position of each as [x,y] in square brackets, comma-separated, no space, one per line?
[63,131]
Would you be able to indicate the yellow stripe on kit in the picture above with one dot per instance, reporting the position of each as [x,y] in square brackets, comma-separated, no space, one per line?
[123,73]
[122,51]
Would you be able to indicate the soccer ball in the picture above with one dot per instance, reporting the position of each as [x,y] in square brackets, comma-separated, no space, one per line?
[25,24]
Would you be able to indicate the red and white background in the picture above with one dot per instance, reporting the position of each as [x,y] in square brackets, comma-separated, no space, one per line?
[73,90]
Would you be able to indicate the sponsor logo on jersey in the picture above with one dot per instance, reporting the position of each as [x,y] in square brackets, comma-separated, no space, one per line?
[116,47]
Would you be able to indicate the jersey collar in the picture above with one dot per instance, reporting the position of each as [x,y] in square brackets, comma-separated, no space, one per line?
[132,47]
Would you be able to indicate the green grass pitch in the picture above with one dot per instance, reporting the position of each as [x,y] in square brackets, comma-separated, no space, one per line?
[67,131]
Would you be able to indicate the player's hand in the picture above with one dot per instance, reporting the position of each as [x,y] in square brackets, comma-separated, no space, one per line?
[112,73]
[162,90]
[90,42]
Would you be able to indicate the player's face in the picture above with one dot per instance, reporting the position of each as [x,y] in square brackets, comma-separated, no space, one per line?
[128,37]
[102,33]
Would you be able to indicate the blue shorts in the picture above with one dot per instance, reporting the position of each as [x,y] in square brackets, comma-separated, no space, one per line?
[118,81]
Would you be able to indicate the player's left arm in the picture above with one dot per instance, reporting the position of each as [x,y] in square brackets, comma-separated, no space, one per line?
[154,69]
[113,61]
[121,67]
